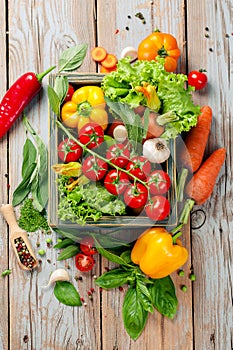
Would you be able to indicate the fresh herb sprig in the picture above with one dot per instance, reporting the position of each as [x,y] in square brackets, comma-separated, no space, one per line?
[143,294]
[70,59]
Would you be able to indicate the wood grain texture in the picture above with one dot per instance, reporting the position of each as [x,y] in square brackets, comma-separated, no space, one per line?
[212,243]
[4,192]
[39,31]
[45,322]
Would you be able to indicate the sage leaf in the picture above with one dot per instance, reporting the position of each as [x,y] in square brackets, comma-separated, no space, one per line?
[113,278]
[163,296]
[67,294]
[54,100]
[61,85]
[68,252]
[29,155]
[134,314]
[24,188]
[72,58]
[40,185]
[144,296]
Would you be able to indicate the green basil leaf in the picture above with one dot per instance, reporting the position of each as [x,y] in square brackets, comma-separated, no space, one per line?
[72,58]
[29,155]
[54,100]
[68,252]
[67,294]
[61,87]
[23,189]
[112,257]
[134,314]
[163,295]
[126,256]
[144,296]
[65,243]
[113,278]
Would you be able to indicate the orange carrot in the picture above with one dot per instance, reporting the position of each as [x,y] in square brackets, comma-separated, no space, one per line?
[201,185]
[98,54]
[107,70]
[195,141]
[110,61]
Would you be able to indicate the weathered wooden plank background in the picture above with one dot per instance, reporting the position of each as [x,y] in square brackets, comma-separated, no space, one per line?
[33,33]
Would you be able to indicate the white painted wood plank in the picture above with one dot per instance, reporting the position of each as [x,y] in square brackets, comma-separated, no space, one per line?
[210,47]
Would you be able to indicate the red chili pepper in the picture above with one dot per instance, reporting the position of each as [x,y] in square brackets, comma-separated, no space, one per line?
[18,97]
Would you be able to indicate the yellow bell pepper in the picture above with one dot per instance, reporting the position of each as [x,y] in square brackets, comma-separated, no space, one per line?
[156,253]
[87,105]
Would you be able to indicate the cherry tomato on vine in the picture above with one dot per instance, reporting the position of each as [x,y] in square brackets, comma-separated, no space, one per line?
[87,246]
[116,182]
[84,262]
[159,182]
[118,154]
[136,195]
[69,93]
[157,208]
[69,151]
[139,166]
[91,135]
[198,79]
[94,168]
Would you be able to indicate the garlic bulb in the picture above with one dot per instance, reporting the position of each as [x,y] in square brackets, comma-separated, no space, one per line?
[58,275]
[156,150]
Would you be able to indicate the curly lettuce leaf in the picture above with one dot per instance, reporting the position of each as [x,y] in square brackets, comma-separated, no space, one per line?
[122,86]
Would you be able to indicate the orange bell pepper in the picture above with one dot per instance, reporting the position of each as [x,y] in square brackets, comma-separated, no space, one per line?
[156,253]
[160,44]
[87,105]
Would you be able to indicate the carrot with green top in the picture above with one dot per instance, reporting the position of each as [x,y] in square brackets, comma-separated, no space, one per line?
[195,141]
[201,185]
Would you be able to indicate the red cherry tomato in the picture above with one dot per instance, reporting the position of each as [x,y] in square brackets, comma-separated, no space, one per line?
[139,166]
[69,151]
[91,135]
[159,182]
[84,262]
[87,246]
[157,208]
[116,182]
[69,93]
[198,79]
[136,195]
[94,168]
[118,154]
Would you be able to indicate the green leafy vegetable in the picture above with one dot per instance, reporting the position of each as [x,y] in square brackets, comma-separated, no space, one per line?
[29,156]
[24,188]
[134,314]
[31,219]
[64,243]
[61,85]
[163,296]
[72,58]
[124,85]
[87,202]
[113,278]
[67,294]
[54,100]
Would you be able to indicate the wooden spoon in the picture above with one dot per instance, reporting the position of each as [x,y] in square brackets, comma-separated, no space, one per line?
[19,240]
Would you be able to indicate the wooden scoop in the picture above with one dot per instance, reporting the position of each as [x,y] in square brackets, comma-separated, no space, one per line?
[19,240]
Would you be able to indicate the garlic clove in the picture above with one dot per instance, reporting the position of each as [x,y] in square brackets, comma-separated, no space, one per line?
[129,51]
[58,275]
